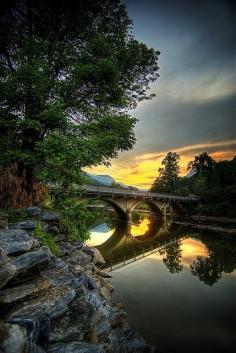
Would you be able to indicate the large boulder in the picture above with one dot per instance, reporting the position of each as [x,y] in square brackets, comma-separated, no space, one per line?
[76,347]
[29,225]
[117,316]
[52,303]
[102,326]
[68,332]
[7,269]
[33,211]
[78,257]
[49,216]
[58,277]
[129,341]
[13,294]
[37,332]
[15,241]
[25,262]
[98,259]
[13,338]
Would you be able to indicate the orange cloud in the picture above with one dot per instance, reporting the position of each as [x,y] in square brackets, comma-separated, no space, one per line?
[191,149]
[143,169]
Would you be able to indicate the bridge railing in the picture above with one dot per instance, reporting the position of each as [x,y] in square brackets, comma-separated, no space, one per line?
[124,192]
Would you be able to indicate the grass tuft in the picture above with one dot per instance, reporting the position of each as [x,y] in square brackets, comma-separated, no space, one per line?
[47,239]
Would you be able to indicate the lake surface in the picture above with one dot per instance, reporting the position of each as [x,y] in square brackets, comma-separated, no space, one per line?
[178,286]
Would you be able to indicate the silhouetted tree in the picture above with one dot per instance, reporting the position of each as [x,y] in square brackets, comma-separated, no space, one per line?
[202,164]
[167,179]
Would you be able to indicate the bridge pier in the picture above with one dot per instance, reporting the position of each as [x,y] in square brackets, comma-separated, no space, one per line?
[129,216]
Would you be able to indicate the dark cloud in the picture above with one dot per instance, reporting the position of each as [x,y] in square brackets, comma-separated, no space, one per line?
[197,43]
[173,124]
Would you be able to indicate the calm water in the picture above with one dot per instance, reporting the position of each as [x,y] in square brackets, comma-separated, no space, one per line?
[182,297]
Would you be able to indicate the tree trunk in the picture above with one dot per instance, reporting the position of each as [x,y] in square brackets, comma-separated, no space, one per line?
[18,187]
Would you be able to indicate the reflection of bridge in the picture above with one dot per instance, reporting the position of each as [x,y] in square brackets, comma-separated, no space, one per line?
[122,248]
[125,201]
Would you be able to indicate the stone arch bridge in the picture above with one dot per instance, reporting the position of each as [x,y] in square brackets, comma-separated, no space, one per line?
[125,201]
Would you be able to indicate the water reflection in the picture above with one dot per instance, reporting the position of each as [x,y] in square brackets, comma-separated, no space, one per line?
[221,258]
[172,255]
[141,227]
[100,234]
[206,256]
[180,297]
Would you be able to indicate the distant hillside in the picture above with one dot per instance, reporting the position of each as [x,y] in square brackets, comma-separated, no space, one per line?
[105,180]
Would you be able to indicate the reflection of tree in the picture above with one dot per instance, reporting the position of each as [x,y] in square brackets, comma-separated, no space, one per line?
[98,216]
[221,258]
[207,269]
[172,259]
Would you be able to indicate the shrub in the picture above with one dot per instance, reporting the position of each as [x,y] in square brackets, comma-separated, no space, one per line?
[47,239]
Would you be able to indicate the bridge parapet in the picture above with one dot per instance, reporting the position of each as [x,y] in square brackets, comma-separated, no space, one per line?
[113,192]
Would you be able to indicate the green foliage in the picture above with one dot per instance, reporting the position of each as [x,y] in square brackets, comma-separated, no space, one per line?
[70,72]
[214,182]
[47,239]
[16,215]
[200,184]
[167,179]
[73,216]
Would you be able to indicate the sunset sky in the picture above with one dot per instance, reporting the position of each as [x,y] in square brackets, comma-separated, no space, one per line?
[195,108]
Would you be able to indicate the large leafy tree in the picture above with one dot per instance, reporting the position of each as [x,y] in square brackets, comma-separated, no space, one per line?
[168,174]
[70,72]
[202,164]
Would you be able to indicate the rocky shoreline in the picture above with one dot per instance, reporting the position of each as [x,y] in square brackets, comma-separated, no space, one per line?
[58,304]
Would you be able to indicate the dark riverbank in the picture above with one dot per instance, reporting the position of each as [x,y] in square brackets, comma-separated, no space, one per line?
[214,224]
[226,220]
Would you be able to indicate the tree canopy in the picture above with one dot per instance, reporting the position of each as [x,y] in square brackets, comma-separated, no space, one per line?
[167,178]
[71,71]
[202,164]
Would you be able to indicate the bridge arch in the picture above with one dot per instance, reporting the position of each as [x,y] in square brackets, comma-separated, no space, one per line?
[120,211]
[125,206]
[153,206]
[124,201]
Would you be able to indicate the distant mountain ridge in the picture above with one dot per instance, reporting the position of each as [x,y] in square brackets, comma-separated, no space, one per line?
[105,180]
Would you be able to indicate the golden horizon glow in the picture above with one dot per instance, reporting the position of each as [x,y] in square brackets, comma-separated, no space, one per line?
[143,169]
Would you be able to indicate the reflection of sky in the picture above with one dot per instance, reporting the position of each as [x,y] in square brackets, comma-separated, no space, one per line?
[178,313]
[194,108]
[140,228]
[99,234]
[190,249]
